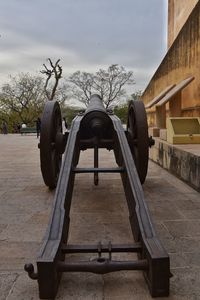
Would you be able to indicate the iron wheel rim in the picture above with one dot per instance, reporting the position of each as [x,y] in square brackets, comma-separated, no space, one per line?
[137,129]
[50,158]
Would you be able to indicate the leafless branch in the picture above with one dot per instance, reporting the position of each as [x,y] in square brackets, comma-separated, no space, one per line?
[56,72]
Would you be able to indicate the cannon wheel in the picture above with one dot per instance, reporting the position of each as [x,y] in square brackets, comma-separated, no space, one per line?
[137,134]
[50,140]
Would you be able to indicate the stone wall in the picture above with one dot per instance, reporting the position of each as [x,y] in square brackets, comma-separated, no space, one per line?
[183,164]
[178,12]
[181,61]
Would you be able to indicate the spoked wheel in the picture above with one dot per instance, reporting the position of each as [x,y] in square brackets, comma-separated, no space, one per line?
[51,142]
[137,130]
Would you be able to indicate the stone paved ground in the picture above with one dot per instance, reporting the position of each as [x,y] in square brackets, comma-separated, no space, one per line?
[98,213]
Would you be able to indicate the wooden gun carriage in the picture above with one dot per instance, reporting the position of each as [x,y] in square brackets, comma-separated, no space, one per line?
[97,128]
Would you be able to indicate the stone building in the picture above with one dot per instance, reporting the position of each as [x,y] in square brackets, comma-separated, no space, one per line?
[181,61]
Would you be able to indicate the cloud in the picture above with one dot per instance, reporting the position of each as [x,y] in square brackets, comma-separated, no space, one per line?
[85,35]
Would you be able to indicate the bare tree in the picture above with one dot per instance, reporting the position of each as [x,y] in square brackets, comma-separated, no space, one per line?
[109,84]
[54,71]
[82,86]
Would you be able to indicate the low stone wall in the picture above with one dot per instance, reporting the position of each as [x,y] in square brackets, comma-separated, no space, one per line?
[183,164]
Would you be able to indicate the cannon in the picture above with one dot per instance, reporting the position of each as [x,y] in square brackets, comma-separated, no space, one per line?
[97,128]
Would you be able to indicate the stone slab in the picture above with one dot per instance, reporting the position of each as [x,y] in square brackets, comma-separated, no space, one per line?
[7,281]
[98,213]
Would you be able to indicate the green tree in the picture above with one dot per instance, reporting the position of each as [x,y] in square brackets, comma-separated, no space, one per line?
[70,113]
[23,98]
[122,111]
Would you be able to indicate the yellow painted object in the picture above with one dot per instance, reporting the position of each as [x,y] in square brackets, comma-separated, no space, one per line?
[183,130]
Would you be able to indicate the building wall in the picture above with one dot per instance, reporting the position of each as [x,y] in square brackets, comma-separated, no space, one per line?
[178,13]
[181,61]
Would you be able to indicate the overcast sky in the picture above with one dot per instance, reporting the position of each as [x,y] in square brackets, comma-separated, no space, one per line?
[85,34]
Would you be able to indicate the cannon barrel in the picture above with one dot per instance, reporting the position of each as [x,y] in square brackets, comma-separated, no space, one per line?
[96,121]
[95,104]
